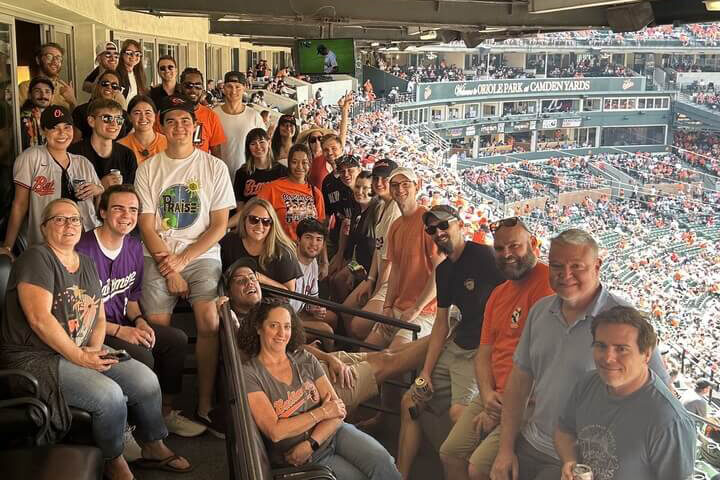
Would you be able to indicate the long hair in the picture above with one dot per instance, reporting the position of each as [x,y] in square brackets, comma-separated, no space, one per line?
[253,135]
[101,77]
[138,69]
[248,338]
[277,242]
[276,143]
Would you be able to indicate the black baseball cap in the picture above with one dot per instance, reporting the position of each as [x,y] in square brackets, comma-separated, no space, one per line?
[236,77]
[55,115]
[46,81]
[383,167]
[175,102]
[441,213]
[347,161]
[247,262]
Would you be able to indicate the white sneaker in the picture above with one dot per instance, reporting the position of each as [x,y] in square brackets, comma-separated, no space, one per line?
[183,426]
[131,449]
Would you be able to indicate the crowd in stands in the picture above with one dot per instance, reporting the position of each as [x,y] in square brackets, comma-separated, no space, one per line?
[590,68]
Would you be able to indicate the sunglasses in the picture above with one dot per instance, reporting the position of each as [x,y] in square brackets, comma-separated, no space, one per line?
[115,86]
[107,118]
[315,138]
[133,53]
[507,222]
[110,55]
[169,68]
[254,220]
[431,229]
[192,86]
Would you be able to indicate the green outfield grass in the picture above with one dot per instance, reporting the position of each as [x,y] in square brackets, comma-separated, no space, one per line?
[310,62]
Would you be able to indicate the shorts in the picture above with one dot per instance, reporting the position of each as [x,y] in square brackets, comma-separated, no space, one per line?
[381,293]
[389,332]
[463,442]
[453,378]
[202,276]
[365,385]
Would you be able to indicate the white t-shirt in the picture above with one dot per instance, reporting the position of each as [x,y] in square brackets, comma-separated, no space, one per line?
[330,62]
[307,284]
[181,193]
[387,214]
[236,128]
[132,89]
[36,170]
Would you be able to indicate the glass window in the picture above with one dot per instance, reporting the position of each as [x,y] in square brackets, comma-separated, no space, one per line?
[631,103]
[8,143]
[65,40]
[149,61]
[666,103]
[641,103]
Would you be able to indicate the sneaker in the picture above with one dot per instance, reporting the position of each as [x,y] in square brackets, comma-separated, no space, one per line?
[131,449]
[183,426]
[214,424]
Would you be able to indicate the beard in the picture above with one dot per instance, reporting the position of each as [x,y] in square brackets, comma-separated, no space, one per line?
[519,269]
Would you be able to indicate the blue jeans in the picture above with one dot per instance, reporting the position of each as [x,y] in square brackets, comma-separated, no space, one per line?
[358,456]
[128,388]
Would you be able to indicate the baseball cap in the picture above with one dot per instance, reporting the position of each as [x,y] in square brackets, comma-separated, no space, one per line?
[236,77]
[55,115]
[46,81]
[103,47]
[247,262]
[409,173]
[347,161]
[441,213]
[702,384]
[383,168]
[175,102]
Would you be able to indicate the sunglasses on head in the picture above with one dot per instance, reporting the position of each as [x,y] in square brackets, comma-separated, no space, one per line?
[506,222]
[254,220]
[107,118]
[431,229]
[107,83]
[169,68]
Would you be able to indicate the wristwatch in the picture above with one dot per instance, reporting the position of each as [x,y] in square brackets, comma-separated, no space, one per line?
[313,444]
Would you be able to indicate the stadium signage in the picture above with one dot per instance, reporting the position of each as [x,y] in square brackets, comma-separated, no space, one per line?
[536,86]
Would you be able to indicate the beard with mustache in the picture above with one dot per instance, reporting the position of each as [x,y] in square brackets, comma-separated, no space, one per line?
[520,268]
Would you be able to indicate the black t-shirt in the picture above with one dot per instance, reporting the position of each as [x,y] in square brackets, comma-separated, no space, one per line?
[247,185]
[121,158]
[80,114]
[282,269]
[339,201]
[467,284]
[157,93]
[362,241]
[92,76]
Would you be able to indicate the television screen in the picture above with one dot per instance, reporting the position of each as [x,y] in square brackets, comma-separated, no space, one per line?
[326,56]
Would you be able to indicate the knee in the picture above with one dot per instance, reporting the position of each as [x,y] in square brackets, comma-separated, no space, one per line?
[475,474]
[455,412]
[145,383]
[382,364]
[110,398]
[175,338]
[208,323]
[450,461]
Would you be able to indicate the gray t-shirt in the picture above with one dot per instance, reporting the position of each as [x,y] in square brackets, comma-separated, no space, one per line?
[300,396]
[644,436]
[694,403]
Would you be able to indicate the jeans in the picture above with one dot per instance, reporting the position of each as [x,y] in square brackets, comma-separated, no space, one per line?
[129,388]
[358,456]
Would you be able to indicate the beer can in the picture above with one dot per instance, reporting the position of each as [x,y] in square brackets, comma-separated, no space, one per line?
[582,472]
[422,388]
[114,171]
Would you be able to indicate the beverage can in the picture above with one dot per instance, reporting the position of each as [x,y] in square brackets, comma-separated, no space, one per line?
[422,388]
[78,182]
[582,472]
[114,171]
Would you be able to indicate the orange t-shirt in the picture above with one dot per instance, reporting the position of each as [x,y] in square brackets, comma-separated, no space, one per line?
[158,145]
[293,202]
[411,252]
[505,315]
[208,131]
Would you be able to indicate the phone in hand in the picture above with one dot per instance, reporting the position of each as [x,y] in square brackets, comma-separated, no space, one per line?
[119,355]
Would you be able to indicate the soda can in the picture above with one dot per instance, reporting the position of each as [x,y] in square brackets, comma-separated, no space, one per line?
[582,472]
[117,173]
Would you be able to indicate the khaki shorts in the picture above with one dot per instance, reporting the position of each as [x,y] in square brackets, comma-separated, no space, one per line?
[389,332]
[453,378]
[202,276]
[365,385]
[381,293]
[463,442]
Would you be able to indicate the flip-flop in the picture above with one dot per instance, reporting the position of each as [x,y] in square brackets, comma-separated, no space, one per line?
[164,464]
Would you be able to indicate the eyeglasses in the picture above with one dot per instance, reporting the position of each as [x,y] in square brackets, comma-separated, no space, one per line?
[115,86]
[49,58]
[191,86]
[254,220]
[109,55]
[507,222]
[133,53]
[107,118]
[315,138]
[60,221]
[405,185]
[169,68]
[431,229]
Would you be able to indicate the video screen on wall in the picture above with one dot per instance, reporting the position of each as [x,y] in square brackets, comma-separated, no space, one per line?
[325,56]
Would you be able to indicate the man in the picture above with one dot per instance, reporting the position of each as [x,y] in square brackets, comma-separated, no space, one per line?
[41,94]
[209,135]
[465,280]
[49,60]
[330,64]
[167,70]
[186,195]
[413,257]
[119,261]
[694,400]
[550,358]
[106,119]
[107,56]
[340,204]
[621,420]
[237,120]
[470,448]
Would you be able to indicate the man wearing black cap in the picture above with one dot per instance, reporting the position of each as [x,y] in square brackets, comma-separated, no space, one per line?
[41,93]
[694,400]
[337,189]
[237,120]
[209,134]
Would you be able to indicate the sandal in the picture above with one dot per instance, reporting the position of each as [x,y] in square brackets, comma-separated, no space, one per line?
[164,464]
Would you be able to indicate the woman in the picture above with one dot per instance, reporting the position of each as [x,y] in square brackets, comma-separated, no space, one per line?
[259,169]
[144,140]
[295,406]
[292,197]
[261,238]
[54,326]
[130,69]
[108,86]
[283,138]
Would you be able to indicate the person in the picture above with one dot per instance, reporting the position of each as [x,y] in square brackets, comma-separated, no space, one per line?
[237,121]
[106,119]
[144,140]
[694,400]
[294,405]
[45,173]
[209,135]
[49,60]
[312,137]
[465,280]
[108,87]
[41,95]
[53,327]
[292,197]
[259,168]
[469,450]
[621,420]
[340,205]
[414,256]
[323,157]
[283,138]
[260,236]
[186,196]
[131,70]
[370,293]
[167,70]
[107,56]
[551,356]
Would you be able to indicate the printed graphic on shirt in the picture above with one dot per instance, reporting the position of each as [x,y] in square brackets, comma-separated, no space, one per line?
[469,284]
[296,399]
[116,286]
[252,188]
[379,242]
[81,308]
[42,186]
[598,449]
[515,318]
[180,205]
[198,134]
[298,207]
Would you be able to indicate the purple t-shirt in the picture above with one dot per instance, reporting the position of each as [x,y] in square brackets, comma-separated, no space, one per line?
[120,279]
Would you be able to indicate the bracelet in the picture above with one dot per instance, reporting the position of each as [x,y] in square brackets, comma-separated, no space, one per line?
[372,279]
[134,320]
[312,414]
[117,330]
